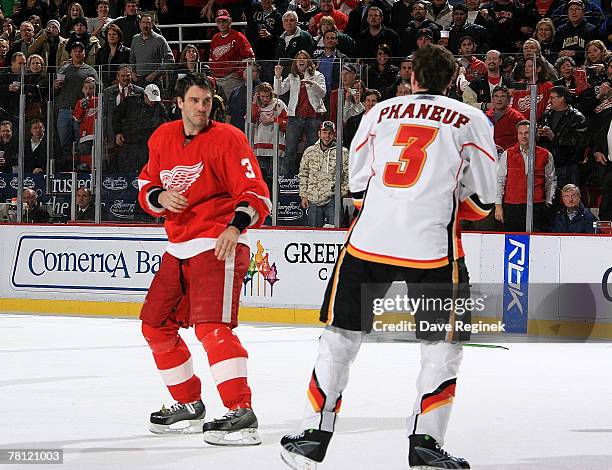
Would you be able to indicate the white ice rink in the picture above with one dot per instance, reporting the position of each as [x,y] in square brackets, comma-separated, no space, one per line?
[87,385]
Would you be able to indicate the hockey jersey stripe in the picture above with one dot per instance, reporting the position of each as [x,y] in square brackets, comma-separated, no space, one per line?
[472,144]
[408,263]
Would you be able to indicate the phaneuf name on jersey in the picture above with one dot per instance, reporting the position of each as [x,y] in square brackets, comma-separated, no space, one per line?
[430,112]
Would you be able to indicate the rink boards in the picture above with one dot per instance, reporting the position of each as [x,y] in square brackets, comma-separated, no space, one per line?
[106,271]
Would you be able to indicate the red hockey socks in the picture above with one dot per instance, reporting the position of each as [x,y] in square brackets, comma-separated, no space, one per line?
[173,361]
[228,363]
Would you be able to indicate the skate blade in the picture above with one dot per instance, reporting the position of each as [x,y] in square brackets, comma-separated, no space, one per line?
[193,426]
[242,437]
[296,461]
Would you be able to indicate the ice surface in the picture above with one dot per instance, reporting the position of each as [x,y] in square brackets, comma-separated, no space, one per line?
[87,385]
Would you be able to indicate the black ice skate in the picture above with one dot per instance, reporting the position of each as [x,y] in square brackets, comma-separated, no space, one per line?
[303,451]
[426,454]
[237,428]
[179,418]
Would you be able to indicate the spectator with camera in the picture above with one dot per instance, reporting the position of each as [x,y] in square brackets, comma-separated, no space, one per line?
[573,217]
[563,131]
[352,96]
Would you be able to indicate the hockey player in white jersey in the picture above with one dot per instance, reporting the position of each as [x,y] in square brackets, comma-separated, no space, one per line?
[417,165]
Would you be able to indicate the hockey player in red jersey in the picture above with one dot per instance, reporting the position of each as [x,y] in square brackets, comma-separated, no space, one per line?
[417,165]
[203,178]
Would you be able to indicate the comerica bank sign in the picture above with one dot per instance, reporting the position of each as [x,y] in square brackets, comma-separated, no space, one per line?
[92,263]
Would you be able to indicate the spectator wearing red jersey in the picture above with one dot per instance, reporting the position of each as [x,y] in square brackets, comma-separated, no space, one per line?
[521,100]
[84,113]
[228,49]
[327,9]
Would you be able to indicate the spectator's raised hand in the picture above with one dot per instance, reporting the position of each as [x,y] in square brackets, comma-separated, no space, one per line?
[278,71]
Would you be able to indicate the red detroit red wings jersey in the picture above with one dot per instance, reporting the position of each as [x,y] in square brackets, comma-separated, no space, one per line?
[215,171]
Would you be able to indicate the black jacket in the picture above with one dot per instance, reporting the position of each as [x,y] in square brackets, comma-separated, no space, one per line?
[110,67]
[286,52]
[482,89]
[570,136]
[35,159]
[136,120]
[408,37]
[478,33]
[581,223]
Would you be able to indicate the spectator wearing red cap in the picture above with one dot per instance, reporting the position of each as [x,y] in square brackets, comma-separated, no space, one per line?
[228,49]
[318,177]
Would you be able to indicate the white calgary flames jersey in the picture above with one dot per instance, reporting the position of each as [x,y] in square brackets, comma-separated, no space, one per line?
[417,165]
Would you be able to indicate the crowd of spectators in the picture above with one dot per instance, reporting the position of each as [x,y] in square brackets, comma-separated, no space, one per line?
[317,61]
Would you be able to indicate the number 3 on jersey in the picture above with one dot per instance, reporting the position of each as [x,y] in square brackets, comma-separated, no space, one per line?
[415,139]
[249,168]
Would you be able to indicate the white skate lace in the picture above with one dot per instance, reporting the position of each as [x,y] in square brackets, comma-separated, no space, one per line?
[296,436]
[174,408]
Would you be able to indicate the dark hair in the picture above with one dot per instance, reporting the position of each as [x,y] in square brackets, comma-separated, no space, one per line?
[372,91]
[36,121]
[386,49]
[192,79]
[433,67]
[116,29]
[102,2]
[460,6]
[563,92]
[522,122]
[501,88]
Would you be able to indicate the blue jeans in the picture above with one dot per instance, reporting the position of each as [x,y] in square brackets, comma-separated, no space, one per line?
[296,126]
[67,131]
[319,215]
